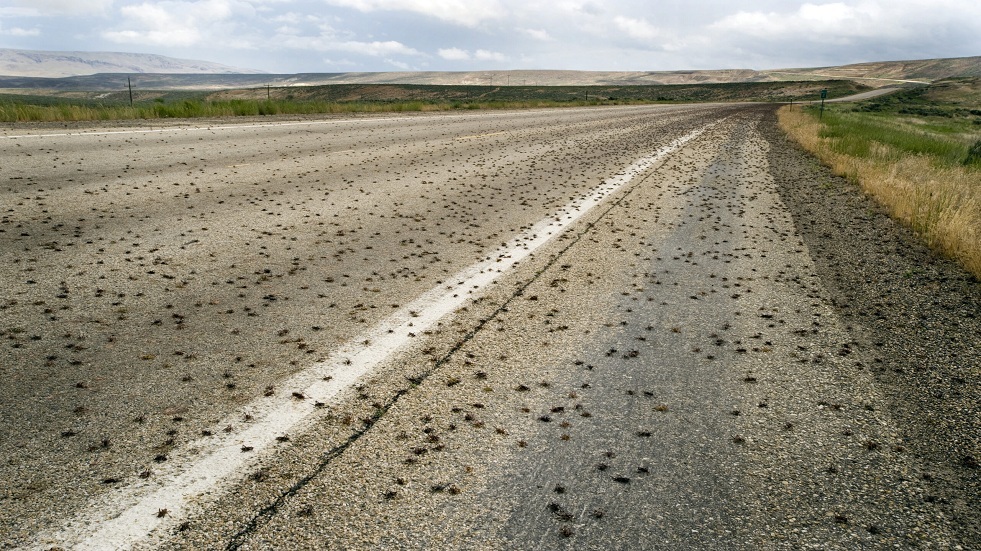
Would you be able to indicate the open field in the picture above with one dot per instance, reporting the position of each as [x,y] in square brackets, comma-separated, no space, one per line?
[343,98]
[916,151]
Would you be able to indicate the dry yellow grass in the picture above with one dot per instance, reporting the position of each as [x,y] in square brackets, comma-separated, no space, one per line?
[942,205]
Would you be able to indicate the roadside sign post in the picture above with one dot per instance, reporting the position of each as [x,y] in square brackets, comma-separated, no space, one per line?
[824,94]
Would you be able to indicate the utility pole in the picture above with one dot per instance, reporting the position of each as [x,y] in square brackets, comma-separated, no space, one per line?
[268,93]
[129,84]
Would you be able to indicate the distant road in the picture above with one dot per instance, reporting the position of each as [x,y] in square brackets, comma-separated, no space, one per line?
[861,96]
[589,328]
[844,77]
[867,95]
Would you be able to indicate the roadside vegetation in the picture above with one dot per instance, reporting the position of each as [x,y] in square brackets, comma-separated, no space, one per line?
[377,98]
[18,111]
[918,152]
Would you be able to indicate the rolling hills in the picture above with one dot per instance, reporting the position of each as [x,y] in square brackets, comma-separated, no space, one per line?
[65,71]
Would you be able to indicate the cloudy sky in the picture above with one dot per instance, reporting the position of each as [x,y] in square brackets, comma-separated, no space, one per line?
[289,36]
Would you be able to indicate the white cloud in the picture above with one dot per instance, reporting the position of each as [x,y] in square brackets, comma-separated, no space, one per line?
[51,8]
[486,55]
[457,54]
[290,18]
[161,23]
[590,8]
[19,32]
[831,20]
[638,29]
[398,64]
[295,18]
[343,62]
[461,12]
[537,34]
[453,54]
[376,49]
[182,23]
[843,31]
[328,42]
[850,21]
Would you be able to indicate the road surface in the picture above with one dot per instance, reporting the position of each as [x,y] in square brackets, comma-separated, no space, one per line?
[577,328]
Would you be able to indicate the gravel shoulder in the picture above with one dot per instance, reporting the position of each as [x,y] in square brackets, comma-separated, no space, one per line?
[919,316]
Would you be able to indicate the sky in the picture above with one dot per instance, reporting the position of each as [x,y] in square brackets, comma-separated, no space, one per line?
[293,36]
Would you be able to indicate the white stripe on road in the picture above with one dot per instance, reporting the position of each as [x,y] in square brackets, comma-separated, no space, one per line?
[128,517]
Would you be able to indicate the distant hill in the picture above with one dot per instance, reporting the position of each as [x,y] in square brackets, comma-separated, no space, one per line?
[170,81]
[37,63]
[887,72]
[109,71]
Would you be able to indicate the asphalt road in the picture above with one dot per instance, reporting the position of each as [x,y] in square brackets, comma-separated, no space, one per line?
[431,331]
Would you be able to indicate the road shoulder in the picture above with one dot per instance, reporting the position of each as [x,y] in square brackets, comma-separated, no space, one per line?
[919,315]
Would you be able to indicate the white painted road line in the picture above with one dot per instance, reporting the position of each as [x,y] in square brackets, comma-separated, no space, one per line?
[127,517]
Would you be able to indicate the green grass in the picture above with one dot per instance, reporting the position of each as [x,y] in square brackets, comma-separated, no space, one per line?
[198,108]
[857,134]
[974,155]
[186,109]
[908,123]
[917,152]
